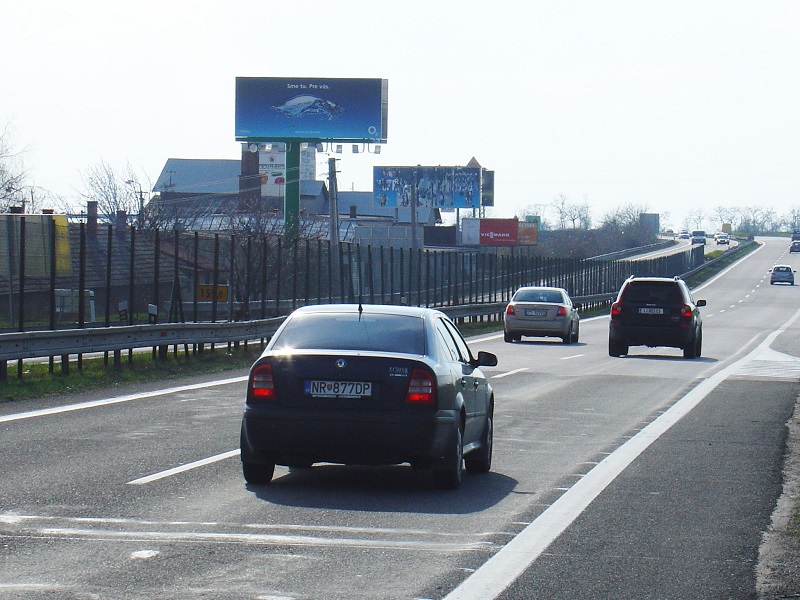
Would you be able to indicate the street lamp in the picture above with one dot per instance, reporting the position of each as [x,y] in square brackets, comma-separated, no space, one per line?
[135,183]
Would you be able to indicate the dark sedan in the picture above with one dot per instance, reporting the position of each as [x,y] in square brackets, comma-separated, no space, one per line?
[368,385]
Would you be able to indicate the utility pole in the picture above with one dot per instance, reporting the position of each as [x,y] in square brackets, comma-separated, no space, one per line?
[333,195]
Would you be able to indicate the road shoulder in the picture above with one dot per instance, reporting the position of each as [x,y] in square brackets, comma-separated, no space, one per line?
[778,572]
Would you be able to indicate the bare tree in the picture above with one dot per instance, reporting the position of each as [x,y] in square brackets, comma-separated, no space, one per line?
[112,192]
[13,189]
[561,206]
[536,209]
[626,215]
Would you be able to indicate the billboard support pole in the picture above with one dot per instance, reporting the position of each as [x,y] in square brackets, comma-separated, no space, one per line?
[414,243]
[291,198]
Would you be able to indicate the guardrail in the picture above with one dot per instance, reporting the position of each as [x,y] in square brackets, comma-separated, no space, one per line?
[65,342]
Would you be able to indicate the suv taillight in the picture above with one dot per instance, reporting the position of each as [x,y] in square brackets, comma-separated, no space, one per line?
[686,311]
[616,309]
[421,388]
[261,386]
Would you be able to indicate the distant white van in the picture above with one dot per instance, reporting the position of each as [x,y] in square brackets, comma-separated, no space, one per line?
[698,236]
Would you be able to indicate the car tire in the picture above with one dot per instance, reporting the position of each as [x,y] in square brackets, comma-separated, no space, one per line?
[576,333]
[617,349]
[567,339]
[507,337]
[480,460]
[258,473]
[690,350]
[450,477]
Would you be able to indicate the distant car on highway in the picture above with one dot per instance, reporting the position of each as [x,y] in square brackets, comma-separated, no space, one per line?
[542,312]
[683,235]
[723,238]
[698,236]
[795,234]
[795,247]
[368,385]
[655,311]
[781,274]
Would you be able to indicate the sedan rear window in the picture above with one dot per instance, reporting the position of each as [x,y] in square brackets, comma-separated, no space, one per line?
[538,296]
[340,331]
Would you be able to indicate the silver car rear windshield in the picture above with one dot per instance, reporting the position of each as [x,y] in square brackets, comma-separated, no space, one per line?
[550,296]
[339,331]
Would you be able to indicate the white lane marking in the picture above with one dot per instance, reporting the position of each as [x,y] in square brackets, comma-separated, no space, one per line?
[510,562]
[571,357]
[488,338]
[513,372]
[119,399]
[183,468]
[186,531]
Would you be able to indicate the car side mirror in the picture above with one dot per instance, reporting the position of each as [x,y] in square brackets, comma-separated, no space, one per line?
[487,359]
[700,303]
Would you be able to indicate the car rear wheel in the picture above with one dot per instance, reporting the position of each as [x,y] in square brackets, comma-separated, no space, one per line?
[507,337]
[694,349]
[449,478]
[576,333]
[617,348]
[480,460]
[258,473]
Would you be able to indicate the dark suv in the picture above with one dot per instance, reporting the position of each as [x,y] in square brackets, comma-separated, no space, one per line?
[655,311]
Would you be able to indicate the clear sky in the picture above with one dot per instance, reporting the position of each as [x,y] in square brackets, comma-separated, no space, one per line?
[673,105]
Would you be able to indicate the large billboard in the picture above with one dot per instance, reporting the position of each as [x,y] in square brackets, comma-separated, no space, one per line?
[311,109]
[489,232]
[435,187]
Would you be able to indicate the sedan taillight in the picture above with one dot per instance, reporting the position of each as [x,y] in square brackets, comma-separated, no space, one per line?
[562,311]
[510,309]
[421,388]
[261,386]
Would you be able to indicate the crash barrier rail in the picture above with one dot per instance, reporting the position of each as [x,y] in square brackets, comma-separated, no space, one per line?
[62,343]
[65,342]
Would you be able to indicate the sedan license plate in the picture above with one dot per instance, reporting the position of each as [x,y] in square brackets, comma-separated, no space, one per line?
[338,389]
[535,313]
[651,311]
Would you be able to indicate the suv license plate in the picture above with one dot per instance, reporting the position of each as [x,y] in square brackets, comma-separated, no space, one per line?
[651,311]
[338,389]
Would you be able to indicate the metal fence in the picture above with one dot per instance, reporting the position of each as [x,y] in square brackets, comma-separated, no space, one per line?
[123,277]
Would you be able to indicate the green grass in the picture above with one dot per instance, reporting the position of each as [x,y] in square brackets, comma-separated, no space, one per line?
[38,382]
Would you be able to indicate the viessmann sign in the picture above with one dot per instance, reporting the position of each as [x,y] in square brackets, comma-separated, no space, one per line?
[489,232]
[311,109]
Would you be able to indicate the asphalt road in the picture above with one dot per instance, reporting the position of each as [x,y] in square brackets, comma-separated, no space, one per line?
[643,476]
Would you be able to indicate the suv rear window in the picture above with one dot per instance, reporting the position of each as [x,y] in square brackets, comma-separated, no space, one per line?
[340,331]
[652,292]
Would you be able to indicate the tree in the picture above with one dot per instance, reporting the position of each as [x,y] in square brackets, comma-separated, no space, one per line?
[113,192]
[13,189]
[624,216]
[536,209]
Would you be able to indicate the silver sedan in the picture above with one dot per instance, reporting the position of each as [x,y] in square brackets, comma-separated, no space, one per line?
[541,311]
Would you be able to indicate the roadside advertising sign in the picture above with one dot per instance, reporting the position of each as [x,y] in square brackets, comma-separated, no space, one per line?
[435,187]
[528,233]
[311,109]
[498,232]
